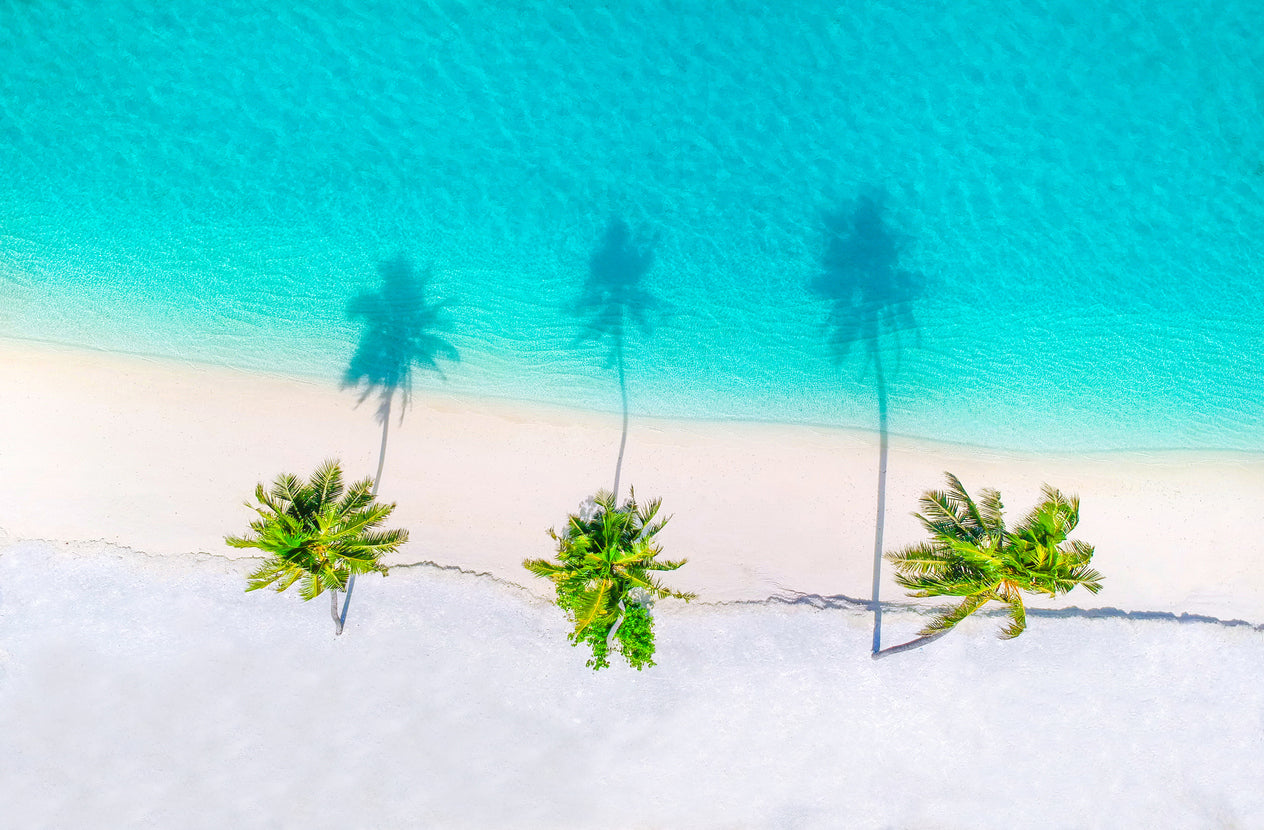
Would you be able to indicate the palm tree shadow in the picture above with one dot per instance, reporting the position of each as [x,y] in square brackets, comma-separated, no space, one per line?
[870,312]
[613,300]
[870,297]
[399,334]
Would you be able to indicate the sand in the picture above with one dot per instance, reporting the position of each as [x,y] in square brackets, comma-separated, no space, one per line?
[159,457]
[140,686]
[140,691]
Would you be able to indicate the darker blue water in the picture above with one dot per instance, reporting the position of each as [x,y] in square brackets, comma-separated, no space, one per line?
[1040,224]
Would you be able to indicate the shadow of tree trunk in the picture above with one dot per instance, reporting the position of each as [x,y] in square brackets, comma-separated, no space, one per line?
[880,520]
[340,619]
[909,646]
[623,394]
[399,334]
[381,453]
[614,298]
[870,299]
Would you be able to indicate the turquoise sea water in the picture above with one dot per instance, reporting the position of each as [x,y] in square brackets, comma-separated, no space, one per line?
[1036,225]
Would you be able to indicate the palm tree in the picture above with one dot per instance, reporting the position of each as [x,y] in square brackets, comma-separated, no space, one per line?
[604,560]
[316,535]
[971,554]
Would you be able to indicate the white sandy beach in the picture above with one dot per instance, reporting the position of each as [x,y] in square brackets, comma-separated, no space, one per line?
[159,457]
[153,692]
[140,686]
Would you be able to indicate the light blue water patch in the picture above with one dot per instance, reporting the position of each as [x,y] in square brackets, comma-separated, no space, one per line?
[1025,225]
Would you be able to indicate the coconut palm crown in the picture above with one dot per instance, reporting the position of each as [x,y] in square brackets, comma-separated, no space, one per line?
[603,577]
[971,554]
[317,535]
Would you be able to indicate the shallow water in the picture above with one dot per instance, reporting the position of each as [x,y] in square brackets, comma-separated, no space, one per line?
[1035,226]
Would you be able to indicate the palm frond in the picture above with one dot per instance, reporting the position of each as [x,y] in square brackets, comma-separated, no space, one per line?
[309,586]
[241,542]
[942,586]
[544,568]
[266,574]
[966,509]
[991,511]
[1053,519]
[948,619]
[1085,576]
[272,504]
[1018,618]
[381,541]
[603,553]
[359,497]
[326,482]
[287,488]
[665,564]
[605,500]
[593,604]
[971,555]
[1077,552]
[313,538]
[922,558]
[941,517]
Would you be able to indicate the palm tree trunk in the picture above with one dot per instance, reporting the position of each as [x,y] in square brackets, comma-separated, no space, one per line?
[614,629]
[623,391]
[909,646]
[882,502]
[341,619]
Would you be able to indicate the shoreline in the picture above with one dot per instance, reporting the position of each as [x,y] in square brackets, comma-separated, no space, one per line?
[160,455]
[564,411]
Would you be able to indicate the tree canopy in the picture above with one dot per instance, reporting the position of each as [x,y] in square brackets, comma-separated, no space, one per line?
[317,535]
[972,555]
[602,574]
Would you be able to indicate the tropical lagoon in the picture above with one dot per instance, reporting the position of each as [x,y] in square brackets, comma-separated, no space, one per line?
[517,271]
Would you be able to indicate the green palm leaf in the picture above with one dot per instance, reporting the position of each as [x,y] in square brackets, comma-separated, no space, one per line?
[971,555]
[316,536]
[1018,619]
[592,604]
[602,555]
[948,619]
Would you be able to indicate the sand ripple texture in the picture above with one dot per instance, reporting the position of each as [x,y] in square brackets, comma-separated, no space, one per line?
[152,692]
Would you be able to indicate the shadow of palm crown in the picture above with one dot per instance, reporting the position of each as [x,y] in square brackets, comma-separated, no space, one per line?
[398,334]
[614,294]
[870,295]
